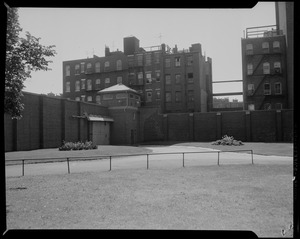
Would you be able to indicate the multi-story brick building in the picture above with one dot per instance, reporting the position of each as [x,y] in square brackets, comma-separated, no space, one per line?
[264,69]
[169,79]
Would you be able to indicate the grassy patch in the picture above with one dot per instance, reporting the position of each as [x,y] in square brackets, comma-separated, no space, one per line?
[231,197]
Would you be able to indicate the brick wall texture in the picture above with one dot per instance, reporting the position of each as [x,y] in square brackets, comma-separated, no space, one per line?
[47,121]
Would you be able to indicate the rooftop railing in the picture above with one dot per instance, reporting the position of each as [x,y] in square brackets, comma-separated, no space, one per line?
[262,31]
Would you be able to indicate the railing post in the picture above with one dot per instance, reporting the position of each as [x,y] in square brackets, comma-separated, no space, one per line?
[147,161]
[23,167]
[252,156]
[109,163]
[218,158]
[68,165]
[182,159]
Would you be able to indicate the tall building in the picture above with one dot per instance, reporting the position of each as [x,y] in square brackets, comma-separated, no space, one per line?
[285,22]
[170,79]
[264,69]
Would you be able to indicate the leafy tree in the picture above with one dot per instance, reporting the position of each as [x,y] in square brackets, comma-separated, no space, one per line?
[22,57]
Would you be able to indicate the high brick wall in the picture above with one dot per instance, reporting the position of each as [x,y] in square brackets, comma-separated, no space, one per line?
[251,126]
[46,121]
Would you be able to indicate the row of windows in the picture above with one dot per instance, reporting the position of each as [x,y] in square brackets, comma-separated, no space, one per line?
[105,97]
[178,96]
[267,89]
[265,47]
[266,106]
[87,85]
[266,68]
[81,68]
[177,61]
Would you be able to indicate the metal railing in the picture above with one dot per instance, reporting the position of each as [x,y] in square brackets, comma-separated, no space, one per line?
[80,158]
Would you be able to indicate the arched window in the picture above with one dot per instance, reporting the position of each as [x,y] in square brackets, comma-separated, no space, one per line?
[276,46]
[68,70]
[97,67]
[98,99]
[89,84]
[119,65]
[77,69]
[89,68]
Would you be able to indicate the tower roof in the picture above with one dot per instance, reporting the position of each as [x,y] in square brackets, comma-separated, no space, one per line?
[117,88]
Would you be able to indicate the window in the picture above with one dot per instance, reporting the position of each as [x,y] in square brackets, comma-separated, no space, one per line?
[108,97]
[167,62]
[148,59]
[82,67]
[89,98]
[89,68]
[140,78]
[177,78]
[190,96]
[267,89]
[177,61]
[67,70]
[267,106]
[107,81]
[98,82]
[168,79]
[157,74]
[177,96]
[68,86]
[265,47]
[121,96]
[130,60]
[266,68]
[77,98]
[149,96]
[276,46]
[98,99]
[190,78]
[83,84]
[119,65]
[249,49]
[251,107]
[190,60]
[156,57]
[83,98]
[168,97]
[139,59]
[249,69]
[119,80]
[250,89]
[97,67]
[106,65]
[158,94]
[278,90]
[277,67]
[77,85]
[89,84]
[148,78]
[77,69]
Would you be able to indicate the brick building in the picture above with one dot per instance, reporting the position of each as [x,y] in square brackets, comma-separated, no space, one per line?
[264,69]
[165,78]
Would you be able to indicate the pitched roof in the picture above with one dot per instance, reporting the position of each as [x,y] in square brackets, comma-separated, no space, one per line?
[117,88]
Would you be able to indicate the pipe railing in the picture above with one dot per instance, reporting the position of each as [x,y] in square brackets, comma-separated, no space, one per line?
[81,158]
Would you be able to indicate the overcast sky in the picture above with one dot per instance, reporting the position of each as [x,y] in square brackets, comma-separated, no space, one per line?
[78,32]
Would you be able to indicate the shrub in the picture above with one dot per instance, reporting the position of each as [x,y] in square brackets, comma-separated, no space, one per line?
[228,140]
[77,146]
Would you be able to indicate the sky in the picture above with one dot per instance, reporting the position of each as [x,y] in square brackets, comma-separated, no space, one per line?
[77,33]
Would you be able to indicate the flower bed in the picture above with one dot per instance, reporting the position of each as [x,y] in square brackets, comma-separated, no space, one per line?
[228,140]
[77,146]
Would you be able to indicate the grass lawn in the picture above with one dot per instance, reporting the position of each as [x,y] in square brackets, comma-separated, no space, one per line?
[232,197]
[279,149]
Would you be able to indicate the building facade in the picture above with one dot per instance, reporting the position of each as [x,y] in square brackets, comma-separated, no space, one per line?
[165,78]
[264,69]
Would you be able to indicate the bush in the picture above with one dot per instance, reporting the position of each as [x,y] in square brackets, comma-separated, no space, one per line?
[228,140]
[77,146]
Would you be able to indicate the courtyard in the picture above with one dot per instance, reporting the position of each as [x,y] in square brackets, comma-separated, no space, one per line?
[199,196]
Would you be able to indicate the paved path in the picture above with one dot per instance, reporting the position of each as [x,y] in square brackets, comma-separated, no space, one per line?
[154,161]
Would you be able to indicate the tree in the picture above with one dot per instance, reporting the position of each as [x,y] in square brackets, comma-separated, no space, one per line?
[22,57]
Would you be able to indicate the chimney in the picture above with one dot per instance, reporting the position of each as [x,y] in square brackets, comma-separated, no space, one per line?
[107,52]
